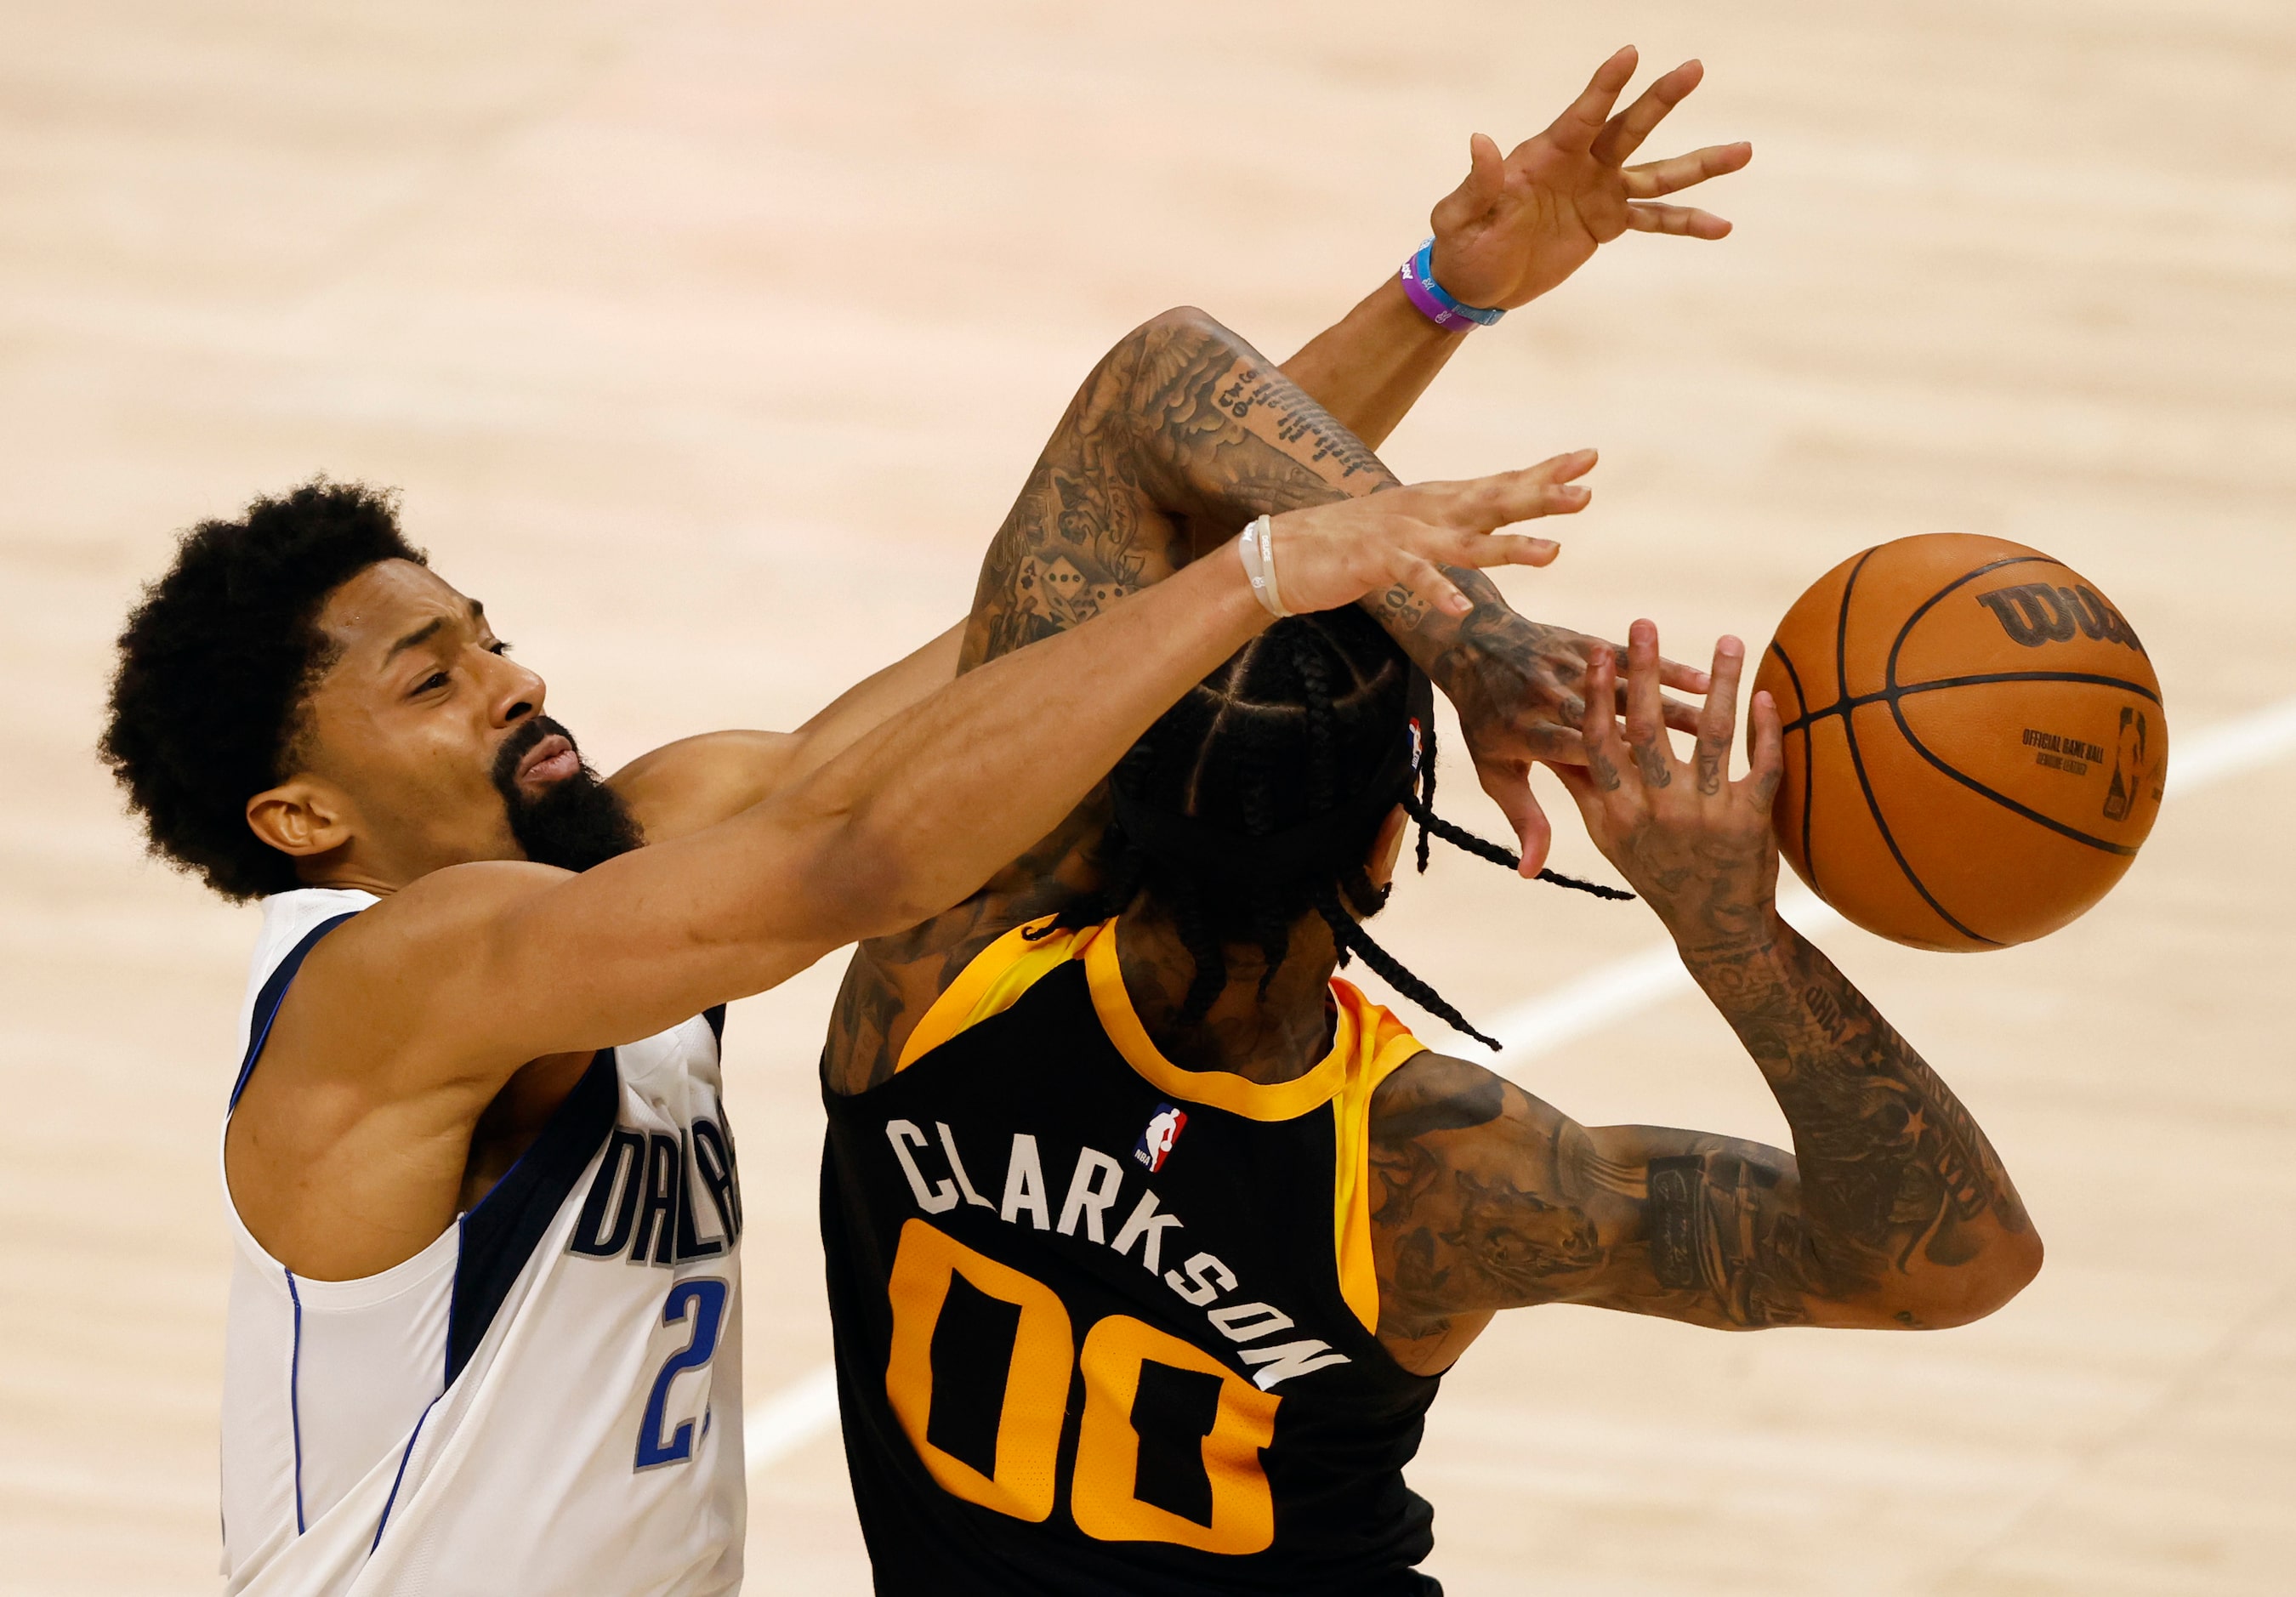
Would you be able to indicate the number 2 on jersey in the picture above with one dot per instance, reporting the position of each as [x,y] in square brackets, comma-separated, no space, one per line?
[702,1300]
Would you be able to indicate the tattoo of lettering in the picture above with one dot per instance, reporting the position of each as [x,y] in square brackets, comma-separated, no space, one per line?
[1180,435]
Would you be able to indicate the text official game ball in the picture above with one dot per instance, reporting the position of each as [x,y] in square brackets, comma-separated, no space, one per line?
[1974,744]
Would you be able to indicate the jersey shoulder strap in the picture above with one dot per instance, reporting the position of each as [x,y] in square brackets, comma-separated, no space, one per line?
[994,981]
[1377,1044]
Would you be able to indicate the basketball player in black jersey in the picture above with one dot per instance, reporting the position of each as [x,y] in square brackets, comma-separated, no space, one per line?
[1149,1246]
[1149,1241]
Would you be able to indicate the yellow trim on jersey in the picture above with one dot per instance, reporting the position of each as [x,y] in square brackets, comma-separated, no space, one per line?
[990,984]
[1222,1089]
[1367,1044]
[1385,1043]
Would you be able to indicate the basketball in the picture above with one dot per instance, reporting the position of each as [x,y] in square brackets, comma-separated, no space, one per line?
[1974,742]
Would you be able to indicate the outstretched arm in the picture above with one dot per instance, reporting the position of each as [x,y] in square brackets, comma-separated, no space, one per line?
[1515,229]
[1893,1210]
[697,782]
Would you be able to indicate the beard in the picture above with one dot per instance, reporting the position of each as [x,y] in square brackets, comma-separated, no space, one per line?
[575,822]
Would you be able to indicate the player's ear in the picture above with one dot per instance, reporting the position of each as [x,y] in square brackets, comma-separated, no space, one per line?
[303,817]
[1387,848]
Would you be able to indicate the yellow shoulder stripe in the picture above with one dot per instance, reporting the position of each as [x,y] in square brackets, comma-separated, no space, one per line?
[1381,1043]
[992,983]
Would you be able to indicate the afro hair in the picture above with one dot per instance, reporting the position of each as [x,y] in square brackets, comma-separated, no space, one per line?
[215,664]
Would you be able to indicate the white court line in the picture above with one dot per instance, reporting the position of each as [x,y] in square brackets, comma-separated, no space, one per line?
[778,1426]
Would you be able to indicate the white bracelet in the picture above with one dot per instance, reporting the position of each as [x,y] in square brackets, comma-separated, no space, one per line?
[1257,547]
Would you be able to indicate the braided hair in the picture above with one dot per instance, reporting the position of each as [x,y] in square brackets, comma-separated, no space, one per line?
[1257,797]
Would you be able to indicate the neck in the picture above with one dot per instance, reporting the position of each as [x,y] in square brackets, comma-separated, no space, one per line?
[1275,1038]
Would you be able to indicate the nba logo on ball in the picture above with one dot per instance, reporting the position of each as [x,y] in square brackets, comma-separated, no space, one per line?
[1156,1141]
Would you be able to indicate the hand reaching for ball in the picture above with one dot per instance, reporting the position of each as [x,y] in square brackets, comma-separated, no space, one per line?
[1697,845]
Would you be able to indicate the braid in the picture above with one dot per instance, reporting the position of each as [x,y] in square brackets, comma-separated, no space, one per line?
[1316,678]
[1426,788]
[1351,937]
[1459,837]
[1271,926]
[1285,733]
[1368,900]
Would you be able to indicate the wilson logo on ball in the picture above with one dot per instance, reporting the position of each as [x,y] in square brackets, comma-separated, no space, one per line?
[2034,613]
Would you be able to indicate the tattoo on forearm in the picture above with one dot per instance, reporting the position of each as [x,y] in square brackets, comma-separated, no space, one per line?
[1895,1173]
[1485,1198]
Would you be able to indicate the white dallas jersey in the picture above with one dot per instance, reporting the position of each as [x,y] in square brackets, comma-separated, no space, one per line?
[546,1399]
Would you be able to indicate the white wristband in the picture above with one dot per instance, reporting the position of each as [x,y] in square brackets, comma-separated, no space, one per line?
[1257,547]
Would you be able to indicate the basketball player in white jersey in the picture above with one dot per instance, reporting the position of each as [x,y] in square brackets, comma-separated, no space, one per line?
[485,1309]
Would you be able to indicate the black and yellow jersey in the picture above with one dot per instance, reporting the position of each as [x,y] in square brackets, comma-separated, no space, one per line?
[1105,1325]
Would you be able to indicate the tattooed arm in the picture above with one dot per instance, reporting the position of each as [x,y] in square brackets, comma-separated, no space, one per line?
[1893,1210]
[1181,434]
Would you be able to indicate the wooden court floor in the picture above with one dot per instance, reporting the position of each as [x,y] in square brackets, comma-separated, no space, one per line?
[708,342]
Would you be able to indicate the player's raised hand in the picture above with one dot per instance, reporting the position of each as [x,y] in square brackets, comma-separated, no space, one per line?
[1522,223]
[1328,555]
[1697,845]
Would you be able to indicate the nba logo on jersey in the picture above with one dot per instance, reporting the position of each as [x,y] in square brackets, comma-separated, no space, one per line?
[1163,1131]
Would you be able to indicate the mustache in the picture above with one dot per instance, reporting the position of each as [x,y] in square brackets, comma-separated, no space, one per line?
[522,743]
[574,823]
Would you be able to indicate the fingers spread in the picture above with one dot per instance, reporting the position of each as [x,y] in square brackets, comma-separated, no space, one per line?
[1717,726]
[1654,178]
[1581,123]
[1645,727]
[1626,130]
[1486,502]
[1765,760]
[1680,221]
[1598,729]
[1564,468]
[1680,716]
[1489,548]
[1682,678]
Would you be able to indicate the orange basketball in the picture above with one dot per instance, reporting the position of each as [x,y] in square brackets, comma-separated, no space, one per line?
[1974,742]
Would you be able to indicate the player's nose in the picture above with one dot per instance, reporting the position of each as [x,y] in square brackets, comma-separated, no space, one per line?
[513,692]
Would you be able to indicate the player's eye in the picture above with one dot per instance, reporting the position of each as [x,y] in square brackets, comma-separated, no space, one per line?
[437,679]
[499,646]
